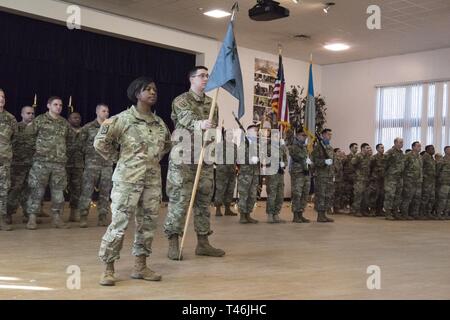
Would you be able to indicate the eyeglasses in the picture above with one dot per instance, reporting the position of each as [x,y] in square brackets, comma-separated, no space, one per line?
[202,75]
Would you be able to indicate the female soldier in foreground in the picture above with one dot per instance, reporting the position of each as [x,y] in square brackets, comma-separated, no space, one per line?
[144,139]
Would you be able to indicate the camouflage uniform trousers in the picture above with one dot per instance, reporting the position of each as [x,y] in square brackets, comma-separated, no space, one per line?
[5,183]
[93,176]
[225,184]
[300,185]
[180,183]
[19,191]
[348,192]
[248,181]
[275,193]
[42,174]
[74,179]
[143,200]
[393,187]
[428,197]
[360,195]
[338,195]
[323,193]
[411,198]
[443,203]
[375,195]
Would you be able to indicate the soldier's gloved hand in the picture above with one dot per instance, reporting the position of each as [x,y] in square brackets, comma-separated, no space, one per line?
[206,124]
[282,142]
[254,160]
[282,164]
[328,162]
[308,161]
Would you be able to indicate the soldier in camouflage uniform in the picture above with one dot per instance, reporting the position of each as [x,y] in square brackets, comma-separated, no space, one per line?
[360,164]
[190,112]
[23,147]
[322,158]
[300,176]
[225,175]
[338,173]
[275,180]
[393,179]
[249,171]
[349,175]
[49,163]
[144,139]
[8,128]
[412,183]
[443,183]
[428,184]
[97,171]
[75,165]
[376,181]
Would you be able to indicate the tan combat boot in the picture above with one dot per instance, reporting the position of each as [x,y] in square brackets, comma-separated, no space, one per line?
[174,248]
[31,225]
[277,219]
[205,249]
[83,221]
[74,215]
[141,271]
[58,223]
[102,221]
[107,278]
[322,217]
[250,219]
[3,225]
[218,211]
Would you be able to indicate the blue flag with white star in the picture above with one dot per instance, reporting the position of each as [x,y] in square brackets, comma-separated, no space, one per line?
[227,70]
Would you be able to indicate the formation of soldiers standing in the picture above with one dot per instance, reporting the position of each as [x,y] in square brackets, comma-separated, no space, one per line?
[52,151]
[400,186]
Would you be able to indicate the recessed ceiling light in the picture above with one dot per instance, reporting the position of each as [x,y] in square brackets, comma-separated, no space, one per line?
[336,46]
[217,13]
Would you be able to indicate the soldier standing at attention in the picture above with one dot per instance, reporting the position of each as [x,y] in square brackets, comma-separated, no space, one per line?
[143,139]
[225,175]
[75,164]
[49,163]
[190,112]
[275,181]
[412,183]
[338,184]
[23,148]
[349,175]
[322,158]
[428,184]
[300,176]
[393,179]
[8,128]
[249,172]
[97,171]
[360,163]
[443,181]
[376,181]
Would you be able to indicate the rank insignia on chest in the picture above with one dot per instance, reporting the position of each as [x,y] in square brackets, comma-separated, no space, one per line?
[104,129]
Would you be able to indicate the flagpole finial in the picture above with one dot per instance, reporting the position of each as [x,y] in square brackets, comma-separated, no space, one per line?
[235,9]
[280,49]
[310,58]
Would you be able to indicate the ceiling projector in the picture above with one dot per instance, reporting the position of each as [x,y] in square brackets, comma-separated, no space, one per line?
[266,10]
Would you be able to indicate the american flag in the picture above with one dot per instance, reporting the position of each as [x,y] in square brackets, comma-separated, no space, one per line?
[279,101]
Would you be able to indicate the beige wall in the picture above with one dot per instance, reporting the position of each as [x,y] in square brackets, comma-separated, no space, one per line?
[350,93]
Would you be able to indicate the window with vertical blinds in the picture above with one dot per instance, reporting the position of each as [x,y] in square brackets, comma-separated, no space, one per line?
[415,112]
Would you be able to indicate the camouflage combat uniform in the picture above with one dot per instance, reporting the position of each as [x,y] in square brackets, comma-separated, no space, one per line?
[188,110]
[143,141]
[24,146]
[300,176]
[393,181]
[74,166]
[428,185]
[97,172]
[376,183]
[412,186]
[443,181]
[360,163]
[8,128]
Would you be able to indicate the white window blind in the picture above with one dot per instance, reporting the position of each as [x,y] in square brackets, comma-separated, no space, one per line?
[415,112]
